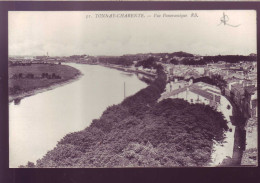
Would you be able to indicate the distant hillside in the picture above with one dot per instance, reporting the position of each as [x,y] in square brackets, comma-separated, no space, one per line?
[230,58]
[174,54]
[253,54]
[181,54]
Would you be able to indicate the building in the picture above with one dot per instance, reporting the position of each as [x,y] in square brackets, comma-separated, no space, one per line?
[176,85]
[237,93]
[200,92]
[250,104]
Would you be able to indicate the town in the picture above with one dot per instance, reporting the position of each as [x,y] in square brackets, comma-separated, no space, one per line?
[218,81]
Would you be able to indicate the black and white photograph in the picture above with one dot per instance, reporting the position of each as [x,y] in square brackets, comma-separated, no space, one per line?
[120,89]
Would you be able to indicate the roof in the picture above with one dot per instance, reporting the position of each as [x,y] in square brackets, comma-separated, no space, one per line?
[174,92]
[202,93]
[195,86]
[213,91]
[205,84]
[251,89]
[238,87]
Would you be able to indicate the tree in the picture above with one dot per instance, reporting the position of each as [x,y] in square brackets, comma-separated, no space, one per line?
[30,76]
[30,164]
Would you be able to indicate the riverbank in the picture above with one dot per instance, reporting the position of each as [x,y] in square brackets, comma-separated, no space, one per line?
[146,77]
[21,87]
[128,69]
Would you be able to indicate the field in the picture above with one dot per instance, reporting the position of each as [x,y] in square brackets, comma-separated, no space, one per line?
[38,76]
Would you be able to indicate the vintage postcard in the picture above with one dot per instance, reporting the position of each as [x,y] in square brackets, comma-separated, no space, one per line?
[157,88]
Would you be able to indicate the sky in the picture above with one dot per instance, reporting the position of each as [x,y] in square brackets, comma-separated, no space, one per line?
[65,33]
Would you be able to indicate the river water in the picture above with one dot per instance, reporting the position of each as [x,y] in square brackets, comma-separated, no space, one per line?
[41,120]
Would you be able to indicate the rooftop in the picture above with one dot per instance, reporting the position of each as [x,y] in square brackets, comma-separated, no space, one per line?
[213,91]
[202,93]
[206,84]
[174,92]
[238,87]
[251,89]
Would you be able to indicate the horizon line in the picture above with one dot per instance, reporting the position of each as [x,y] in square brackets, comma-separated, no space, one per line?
[132,54]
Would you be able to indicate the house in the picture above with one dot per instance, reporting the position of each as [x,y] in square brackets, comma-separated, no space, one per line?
[171,71]
[176,85]
[230,82]
[250,104]
[200,92]
[237,93]
[209,87]
[140,68]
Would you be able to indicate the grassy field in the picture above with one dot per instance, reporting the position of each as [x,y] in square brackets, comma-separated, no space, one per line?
[19,85]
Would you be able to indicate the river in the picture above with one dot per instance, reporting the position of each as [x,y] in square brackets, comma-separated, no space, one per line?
[38,122]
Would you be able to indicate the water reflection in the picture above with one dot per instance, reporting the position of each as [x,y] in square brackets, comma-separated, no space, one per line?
[127,74]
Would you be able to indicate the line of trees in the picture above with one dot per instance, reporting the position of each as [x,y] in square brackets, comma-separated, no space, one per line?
[148,63]
[188,61]
[21,75]
[124,61]
[229,58]
[215,79]
[51,76]
[209,59]
[32,76]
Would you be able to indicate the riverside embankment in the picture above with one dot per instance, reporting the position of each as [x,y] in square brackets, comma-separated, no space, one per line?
[129,69]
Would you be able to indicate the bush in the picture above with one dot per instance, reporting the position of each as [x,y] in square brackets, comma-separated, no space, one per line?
[14,90]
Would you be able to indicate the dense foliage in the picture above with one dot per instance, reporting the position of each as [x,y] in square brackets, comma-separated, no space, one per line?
[122,60]
[142,132]
[209,59]
[188,61]
[174,54]
[229,58]
[148,63]
[181,54]
[216,80]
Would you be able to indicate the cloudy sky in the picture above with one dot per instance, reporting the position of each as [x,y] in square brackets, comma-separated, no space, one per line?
[70,33]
